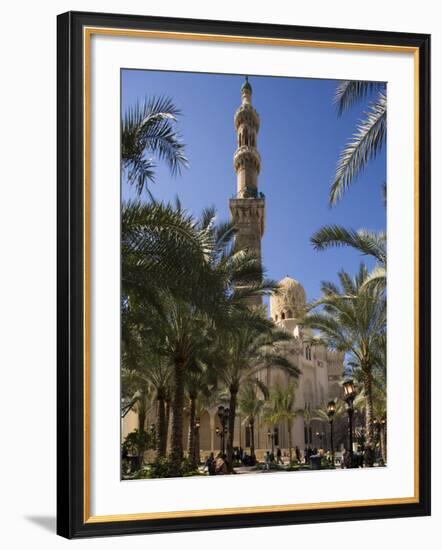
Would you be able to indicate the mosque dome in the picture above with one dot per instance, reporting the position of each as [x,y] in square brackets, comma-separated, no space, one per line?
[289,301]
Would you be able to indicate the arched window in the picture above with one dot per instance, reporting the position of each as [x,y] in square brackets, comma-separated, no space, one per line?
[282,315]
[289,314]
[308,353]
[246,137]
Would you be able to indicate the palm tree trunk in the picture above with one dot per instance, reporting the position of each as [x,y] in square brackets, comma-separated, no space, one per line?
[289,434]
[141,423]
[191,444]
[383,441]
[161,428]
[141,420]
[197,447]
[176,451]
[231,434]
[167,423]
[369,428]
[252,436]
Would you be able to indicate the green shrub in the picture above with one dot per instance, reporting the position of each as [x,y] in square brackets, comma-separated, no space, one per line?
[137,442]
[326,464]
[144,473]
[159,468]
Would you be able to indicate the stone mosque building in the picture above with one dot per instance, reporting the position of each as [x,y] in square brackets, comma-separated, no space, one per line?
[320,368]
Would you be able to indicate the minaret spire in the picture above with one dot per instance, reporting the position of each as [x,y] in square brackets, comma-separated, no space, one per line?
[248,207]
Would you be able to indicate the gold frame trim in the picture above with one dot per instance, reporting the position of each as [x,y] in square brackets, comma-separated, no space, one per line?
[87,34]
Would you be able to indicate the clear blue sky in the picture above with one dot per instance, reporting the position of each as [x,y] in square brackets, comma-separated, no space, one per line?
[299,141]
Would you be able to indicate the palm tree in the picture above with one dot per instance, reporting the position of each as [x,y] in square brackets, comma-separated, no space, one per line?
[130,384]
[250,405]
[148,129]
[137,396]
[199,389]
[183,332]
[368,138]
[141,351]
[282,409]
[379,399]
[369,243]
[187,326]
[182,278]
[248,351]
[159,373]
[353,320]
[161,245]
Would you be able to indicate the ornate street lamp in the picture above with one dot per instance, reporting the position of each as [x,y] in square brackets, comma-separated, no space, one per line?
[331,409]
[349,396]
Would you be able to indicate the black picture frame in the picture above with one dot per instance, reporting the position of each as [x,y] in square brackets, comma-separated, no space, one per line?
[71,520]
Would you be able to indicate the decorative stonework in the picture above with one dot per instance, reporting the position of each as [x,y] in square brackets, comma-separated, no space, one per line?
[248,215]
[246,114]
[247,157]
[289,301]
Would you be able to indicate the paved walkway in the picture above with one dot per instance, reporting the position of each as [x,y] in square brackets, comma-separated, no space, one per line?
[253,470]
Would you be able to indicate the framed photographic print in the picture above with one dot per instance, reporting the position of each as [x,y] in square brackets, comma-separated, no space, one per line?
[232,350]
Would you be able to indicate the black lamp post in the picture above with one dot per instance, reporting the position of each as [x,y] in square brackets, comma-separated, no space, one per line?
[196,440]
[349,395]
[223,415]
[331,409]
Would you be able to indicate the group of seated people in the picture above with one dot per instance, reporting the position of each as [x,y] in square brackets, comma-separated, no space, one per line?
[219,464]
[216,466]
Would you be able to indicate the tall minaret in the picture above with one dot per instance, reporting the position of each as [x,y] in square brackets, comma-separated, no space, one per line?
[248,206]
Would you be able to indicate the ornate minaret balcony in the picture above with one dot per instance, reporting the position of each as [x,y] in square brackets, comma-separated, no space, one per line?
[246,160]
[247,154]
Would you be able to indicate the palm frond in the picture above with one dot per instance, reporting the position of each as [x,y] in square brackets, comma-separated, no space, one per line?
[366,143]
[148,129]
[367,242]
[349,92]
